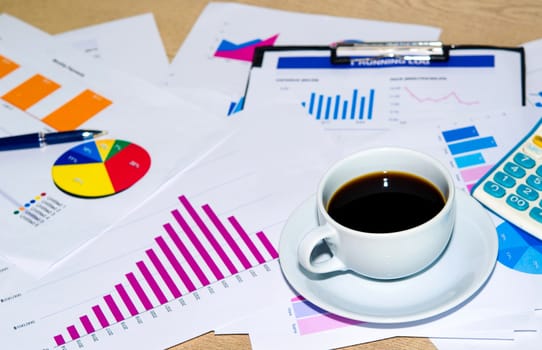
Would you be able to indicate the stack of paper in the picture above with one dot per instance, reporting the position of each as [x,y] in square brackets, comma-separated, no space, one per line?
[193,246]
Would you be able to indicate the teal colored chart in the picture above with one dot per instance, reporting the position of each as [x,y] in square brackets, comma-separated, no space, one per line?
[518,250]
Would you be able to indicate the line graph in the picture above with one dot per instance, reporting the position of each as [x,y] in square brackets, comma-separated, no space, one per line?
[451,96]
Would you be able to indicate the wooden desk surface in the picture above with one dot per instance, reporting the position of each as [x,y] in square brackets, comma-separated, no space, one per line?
[495,22]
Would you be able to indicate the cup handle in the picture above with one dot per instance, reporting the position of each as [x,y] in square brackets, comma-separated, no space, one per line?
[308,244]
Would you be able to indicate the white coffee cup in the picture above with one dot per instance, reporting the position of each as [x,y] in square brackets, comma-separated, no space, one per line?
[394,254]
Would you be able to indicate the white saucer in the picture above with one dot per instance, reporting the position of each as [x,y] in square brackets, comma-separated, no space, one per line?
[459,273]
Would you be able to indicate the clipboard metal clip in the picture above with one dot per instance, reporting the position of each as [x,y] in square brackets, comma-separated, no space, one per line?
[366,52]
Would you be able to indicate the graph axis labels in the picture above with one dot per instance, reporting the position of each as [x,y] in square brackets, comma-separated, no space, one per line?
[100,168]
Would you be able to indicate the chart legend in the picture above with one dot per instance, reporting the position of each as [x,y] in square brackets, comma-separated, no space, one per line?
[38,209]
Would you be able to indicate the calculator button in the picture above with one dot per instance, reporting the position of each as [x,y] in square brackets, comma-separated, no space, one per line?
[536,213]
[539,170]
[494,189]
[535,182]
[517,202]
[504,180]
[524,160]
[514,170]
[527,192]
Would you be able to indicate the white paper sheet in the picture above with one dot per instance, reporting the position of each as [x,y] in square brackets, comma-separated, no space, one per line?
[353,103]
[505,304]
[212,65]
[533,62]
[252,182]
[130,44]
[16,31]
[24,309]
[41,223]
[522,340]
[292,324]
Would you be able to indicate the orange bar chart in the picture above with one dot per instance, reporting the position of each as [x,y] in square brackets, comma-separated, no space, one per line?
[76,111]
[6,66]
[30,92]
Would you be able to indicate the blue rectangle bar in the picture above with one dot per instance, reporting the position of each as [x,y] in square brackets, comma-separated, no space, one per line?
[328,107]
[319,107]
[473,61]
[345,107]
[361,107]
[231,109]
[311,103]
[371,104]
[354,102]
[336,109]
[472,145]
[469,160]
[460,134]
[304,309]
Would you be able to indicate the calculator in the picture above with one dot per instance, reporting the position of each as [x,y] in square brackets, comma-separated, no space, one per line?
[512,189]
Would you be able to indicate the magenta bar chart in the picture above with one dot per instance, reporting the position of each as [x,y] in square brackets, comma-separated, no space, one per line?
[197,248]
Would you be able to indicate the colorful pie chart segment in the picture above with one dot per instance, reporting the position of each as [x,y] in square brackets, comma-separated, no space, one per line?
[100,168]
[518,250]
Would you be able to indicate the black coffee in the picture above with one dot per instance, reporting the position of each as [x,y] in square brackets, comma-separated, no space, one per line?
[385,202]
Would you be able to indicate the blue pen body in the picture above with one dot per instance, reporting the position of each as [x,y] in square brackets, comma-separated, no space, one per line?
[40,139]
[9,143]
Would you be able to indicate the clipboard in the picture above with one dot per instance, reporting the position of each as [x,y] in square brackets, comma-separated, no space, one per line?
[355,53]
[430,51]
[406,54]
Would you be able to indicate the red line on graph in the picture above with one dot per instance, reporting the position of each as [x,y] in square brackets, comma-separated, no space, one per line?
[440,99]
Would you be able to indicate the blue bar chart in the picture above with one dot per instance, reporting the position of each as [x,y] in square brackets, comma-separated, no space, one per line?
[352,106]
[236,106]
[467,147]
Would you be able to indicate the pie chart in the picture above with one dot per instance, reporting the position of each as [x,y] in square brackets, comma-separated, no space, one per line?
[519,250]
[100,168]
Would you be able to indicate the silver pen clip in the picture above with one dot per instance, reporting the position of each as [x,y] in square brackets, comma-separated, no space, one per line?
[352,53]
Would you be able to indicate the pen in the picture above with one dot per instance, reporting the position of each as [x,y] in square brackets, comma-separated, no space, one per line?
[41,139]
